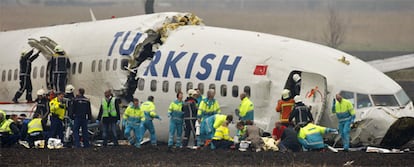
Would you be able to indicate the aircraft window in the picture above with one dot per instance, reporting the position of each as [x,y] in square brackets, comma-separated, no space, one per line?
[9,75]
[153,85]
[16,74]
[189,86]
[3,75]
[124,63]
[223,90]
[115,64]
[108,64]
[42,71]
[201,88]
[99,65]
[80,67]
[141,83]
[93,65]
[363,101]
[247,90]
[402,97]
[178,86]
[34,72]
[348,95]
[212,86]
[235,91]
[165,86]
[73,68]
[384,100]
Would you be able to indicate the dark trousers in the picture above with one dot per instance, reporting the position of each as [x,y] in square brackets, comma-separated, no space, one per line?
[8,140]
[59,81]
[25,84]
[56,128]
[223,144]
[32,137]
[81,123]
[105,130]
[189,130]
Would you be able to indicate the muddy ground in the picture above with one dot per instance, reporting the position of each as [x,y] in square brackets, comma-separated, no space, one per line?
[160,156]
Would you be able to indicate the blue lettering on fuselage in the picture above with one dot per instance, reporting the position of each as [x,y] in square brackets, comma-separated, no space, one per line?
[206,62]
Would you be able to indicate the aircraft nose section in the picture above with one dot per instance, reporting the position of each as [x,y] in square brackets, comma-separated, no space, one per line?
[399,133]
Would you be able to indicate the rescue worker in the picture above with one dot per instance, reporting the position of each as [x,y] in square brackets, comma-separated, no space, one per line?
[35,129]
[301,112]
[208,106]
[296,85]
[311,136]
[148,108]
[199,97]
[176,116]
[58,111]
[26,60]
[278,130]
[346,115]
[42,106]
[9,132]
[209,126]
[23,121]
[109,114]
[221,138]
[82,113]
[241,130]
[69,97]
[60,67]
[132,119]
[190,117]
[285,107]
[289,140]
[246,108]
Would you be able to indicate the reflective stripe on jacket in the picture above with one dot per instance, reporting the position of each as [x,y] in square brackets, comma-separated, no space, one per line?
[35,125]
[175,110]
[344,110]
[285,108]
[222,133]
[208,108]
[55,108]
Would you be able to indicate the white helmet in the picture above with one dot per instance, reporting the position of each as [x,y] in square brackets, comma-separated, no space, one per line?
[296,77]
[285,93]
[40,92]
[58,49]
[69,89]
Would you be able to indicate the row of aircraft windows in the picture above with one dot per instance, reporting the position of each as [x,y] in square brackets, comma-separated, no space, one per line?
[190,85]
[14,74]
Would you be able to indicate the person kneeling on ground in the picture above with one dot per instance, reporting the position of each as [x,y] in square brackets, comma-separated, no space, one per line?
[222,138]
[35,129]
[253,134]
[310,136]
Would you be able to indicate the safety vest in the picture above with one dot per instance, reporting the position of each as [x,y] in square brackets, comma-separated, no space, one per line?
[149,110]
[134,114]
[312,134]
[35,125]
[285,108]
[246,109]
[176,110]
[208,108]
[219,120]
[222,133]
[344,110]
[55,109]
[5,126]
[108,110]
[242,132]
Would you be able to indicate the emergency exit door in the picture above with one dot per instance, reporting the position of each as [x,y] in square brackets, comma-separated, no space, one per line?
[313,92]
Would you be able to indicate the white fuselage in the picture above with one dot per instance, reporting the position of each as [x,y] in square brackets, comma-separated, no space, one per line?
[197,56]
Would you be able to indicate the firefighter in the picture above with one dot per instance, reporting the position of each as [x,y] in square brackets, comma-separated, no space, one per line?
[246,108]
[176,116]
[9,132]
[58,111]
[109,114]
[190,117]
[82,114]
[132,119]
[42,106]
[26,60]
[148,108]
[285,107]
[60,66]
[346,115]
[300,112]
[296,86]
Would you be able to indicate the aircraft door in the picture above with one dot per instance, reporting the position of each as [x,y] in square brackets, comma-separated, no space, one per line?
[313,92]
